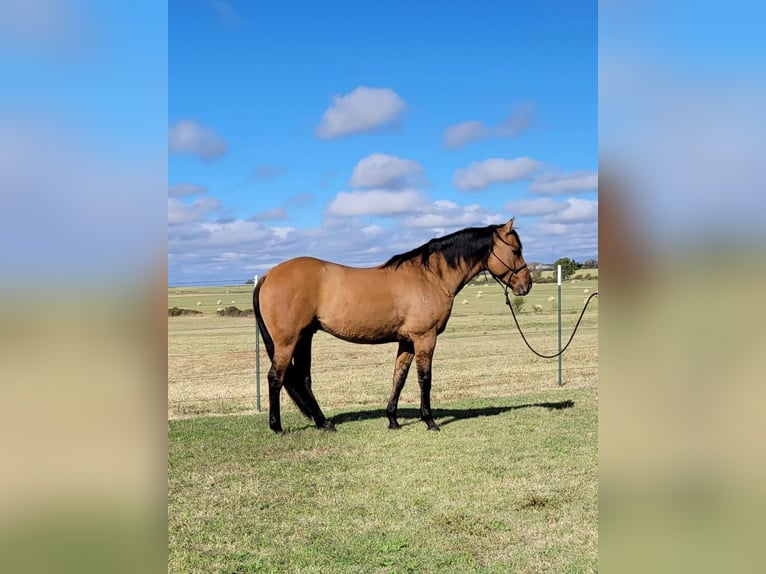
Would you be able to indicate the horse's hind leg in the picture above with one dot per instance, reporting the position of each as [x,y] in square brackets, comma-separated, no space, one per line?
[300,382]
[403,360]
[279,366]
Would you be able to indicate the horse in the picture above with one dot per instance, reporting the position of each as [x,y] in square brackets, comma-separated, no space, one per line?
[406,300]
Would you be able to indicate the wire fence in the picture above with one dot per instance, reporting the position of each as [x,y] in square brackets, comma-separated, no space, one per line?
[211,358]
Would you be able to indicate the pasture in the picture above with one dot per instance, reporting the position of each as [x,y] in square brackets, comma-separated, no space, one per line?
[509,485]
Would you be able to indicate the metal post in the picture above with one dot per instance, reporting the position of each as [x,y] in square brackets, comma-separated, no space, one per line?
[257,361]
[559,282]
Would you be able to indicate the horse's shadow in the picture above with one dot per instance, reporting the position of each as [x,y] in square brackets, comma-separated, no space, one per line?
[444,416]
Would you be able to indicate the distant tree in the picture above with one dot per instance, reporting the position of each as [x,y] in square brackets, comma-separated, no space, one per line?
[590,264]
[568,267]
[250,282]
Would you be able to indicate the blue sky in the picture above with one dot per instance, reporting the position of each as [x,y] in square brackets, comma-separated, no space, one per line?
[351,132]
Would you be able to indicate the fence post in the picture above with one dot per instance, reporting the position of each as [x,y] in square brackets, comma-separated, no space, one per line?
[559,307]
[257,361]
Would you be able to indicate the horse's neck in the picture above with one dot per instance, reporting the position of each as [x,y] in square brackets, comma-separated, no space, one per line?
[454,279]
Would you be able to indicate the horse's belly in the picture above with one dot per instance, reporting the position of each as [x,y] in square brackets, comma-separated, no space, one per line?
[360,332]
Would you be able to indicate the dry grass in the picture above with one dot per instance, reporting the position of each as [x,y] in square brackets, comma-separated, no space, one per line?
[211,359]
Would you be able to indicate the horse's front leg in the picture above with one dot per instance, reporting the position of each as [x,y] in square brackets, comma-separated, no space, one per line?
[424,352]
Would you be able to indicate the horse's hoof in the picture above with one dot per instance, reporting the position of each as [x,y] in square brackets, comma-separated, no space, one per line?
[394,426]
[328,426]
[434,427]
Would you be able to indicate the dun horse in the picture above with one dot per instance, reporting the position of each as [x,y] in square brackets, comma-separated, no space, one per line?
[406,300]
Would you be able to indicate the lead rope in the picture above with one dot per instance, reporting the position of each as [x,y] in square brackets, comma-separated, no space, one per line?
[508,302]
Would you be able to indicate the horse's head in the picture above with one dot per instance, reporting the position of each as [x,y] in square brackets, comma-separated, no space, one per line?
[506,262]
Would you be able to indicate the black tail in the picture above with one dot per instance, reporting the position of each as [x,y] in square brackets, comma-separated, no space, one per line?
[268,342]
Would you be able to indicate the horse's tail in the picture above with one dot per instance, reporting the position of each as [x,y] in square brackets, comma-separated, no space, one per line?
[268,342]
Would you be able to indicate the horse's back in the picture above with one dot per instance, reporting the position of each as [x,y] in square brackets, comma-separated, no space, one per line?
[357,304]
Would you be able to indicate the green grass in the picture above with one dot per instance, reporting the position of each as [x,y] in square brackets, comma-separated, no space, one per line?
[508,485]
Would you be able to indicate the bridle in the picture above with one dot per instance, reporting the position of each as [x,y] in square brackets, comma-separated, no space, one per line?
[513,271]
[505,286]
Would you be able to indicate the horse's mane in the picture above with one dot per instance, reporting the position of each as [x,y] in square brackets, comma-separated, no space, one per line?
[471,245]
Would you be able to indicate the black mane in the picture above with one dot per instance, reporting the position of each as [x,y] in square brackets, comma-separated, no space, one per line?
[471,245]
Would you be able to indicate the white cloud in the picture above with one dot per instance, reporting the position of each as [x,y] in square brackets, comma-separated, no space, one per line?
[460,134]
[189,137]
[362,110]
[576,211]
[481,174]
[548,241]
[266,172]
[186,190]
[373,230]
[301,199]
[233,234]
[270,214]
[445,214]
[534,207]
[374,202]
[282,232]
[445,204]
[563,183]
[521,117]
[386,171]
[180,212]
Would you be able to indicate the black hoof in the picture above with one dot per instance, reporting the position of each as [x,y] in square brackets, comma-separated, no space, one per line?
[394,426]
[328,426]
[433,426]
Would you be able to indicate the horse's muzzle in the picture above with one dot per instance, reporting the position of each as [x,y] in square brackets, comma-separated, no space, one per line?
[520,289]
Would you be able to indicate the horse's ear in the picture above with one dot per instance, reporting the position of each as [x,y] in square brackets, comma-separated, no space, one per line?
[508,226]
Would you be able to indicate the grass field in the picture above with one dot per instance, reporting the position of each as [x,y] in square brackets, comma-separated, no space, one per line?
[509,485]
[211,362]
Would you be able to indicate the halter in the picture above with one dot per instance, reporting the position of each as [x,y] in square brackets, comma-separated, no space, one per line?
[513,271]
